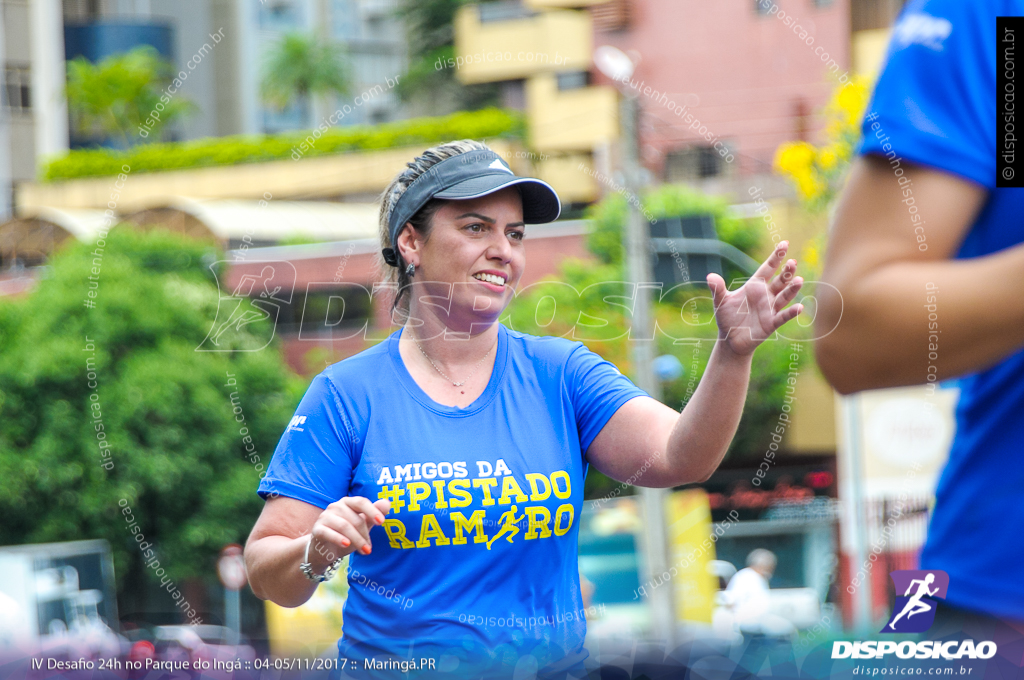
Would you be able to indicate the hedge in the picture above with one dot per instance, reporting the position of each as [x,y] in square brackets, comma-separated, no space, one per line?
[259,148]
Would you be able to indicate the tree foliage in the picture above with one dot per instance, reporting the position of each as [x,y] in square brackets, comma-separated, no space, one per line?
[431,37]
[300,66]
[115,97]
[126,373]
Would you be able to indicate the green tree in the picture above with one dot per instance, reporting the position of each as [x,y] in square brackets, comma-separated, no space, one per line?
[302,66]
[431,37]
[177,453]
[120,94]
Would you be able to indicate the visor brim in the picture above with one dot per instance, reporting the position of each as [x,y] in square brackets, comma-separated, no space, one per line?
[540,202]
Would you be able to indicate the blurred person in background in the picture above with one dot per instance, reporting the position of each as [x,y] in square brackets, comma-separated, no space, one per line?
[927,256]
[748,597]
[748,600]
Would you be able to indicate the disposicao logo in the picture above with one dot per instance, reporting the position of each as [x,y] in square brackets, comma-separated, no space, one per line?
[914,612]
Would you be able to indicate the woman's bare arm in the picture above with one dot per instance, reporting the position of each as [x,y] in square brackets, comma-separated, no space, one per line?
[882,333]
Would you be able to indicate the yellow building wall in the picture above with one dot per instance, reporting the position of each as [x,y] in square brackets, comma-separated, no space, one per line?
[572,120]
[869,51]
[564,173]
[518,48]
[813,428]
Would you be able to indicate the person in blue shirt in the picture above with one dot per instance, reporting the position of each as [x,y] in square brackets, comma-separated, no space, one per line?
[926,254]
[448,461]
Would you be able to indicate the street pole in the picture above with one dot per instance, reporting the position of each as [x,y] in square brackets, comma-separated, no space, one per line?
[863,616]
[233,613]
[636,240]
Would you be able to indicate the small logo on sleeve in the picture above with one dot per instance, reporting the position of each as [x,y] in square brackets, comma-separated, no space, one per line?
[922,29]
[296,424]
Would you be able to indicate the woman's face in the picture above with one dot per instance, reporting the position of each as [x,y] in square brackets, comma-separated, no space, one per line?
[470,241]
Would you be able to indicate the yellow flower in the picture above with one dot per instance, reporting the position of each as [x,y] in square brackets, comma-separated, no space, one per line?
[794,157]
[828,157]
[808,185]
[806,165]
[810,255]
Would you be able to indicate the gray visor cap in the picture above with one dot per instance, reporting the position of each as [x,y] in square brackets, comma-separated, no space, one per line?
[472,175]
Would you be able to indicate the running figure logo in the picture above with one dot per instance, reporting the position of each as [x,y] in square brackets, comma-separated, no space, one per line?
[508,520]
[914,611]
[262,289]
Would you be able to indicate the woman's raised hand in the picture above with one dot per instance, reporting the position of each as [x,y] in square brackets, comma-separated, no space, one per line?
[749,315]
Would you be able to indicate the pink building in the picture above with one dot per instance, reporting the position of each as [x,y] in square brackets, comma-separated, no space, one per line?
[744,76]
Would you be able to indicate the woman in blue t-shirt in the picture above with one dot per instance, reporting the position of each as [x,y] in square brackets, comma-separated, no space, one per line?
[448,460]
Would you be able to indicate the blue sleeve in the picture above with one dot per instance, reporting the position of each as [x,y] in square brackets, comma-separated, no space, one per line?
[314,459]
[934,103]
[597,390]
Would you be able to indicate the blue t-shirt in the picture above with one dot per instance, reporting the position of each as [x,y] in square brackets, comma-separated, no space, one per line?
[480,547]
[936,105]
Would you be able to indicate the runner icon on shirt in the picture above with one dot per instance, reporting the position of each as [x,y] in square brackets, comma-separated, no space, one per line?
[508,520]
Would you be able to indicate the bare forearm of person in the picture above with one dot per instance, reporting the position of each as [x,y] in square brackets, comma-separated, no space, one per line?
[707,424]
[888,328]
[274,574]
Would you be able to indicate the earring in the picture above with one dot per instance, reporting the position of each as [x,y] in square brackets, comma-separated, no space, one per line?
[410,269]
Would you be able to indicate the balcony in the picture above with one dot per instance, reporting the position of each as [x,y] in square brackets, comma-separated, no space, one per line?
[509,42]
[570,120]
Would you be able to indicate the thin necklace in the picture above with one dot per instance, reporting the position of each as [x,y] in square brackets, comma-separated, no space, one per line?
[456,384]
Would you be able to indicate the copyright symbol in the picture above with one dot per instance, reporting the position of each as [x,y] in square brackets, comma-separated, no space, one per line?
[1007,173]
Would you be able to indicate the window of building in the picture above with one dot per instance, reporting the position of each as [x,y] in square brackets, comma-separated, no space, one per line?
[17,91]
[612,15]
[280,15]
[322,312]
[513,94]
[503,10]
[377,10]
[573,80]
[693,163]
[294,117]
[345,19]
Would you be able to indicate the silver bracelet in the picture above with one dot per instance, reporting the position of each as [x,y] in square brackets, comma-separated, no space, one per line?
[307,568]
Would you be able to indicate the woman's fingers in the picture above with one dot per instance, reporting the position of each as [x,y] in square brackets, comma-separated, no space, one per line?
[372,512]
[353,517]
[788,294]
[768,267]
[362,525]
[351,537]
[717,285]
[783,279]
[329,543]
[787,314]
